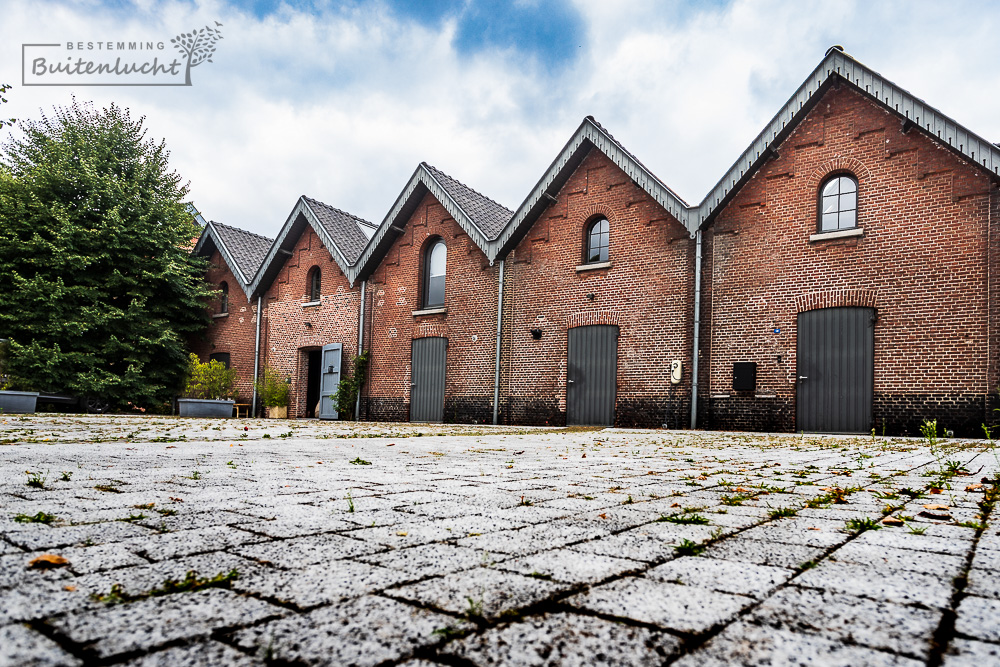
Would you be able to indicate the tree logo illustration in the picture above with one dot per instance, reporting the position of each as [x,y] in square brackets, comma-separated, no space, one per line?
[198,46]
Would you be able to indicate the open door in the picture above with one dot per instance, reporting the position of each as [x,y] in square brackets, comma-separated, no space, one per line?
[329,379]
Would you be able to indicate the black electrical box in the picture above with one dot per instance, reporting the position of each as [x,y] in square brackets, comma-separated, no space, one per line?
[745,376]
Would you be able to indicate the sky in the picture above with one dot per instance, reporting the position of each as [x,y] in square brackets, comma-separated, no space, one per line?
[340,100]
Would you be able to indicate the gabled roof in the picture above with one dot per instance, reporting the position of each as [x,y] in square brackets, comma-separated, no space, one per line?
[479,216]
[343,234]
[242,251]
[836,68]
[839,68]
[588,136]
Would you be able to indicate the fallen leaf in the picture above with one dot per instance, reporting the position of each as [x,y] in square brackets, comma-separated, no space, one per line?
[812,528]
[935,507]
[584,456]
[69,588]
[702,477]
[892,521]
[937,516]
[603,515]
[676,505]
[391,444]
[401,533]
[171,446]
[974,487]
[827,488]
[46,561]
[740,489]
[520,452]
[176,500]
[934,491]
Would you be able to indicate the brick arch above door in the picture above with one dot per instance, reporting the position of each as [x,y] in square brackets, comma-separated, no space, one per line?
[861,298]
[594,317]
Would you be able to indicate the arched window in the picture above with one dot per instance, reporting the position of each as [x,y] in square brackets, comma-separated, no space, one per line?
[597,241]
[435,267]
[838,203]
[315,283]
[224,297]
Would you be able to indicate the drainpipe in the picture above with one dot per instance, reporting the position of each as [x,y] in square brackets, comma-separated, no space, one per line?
[496,372]
[697,329]
[361,342]
[256,359]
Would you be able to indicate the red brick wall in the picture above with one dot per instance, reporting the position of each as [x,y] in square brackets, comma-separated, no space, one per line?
[286,338]
[232,333]
[923,263]
[646,293]
[469,324]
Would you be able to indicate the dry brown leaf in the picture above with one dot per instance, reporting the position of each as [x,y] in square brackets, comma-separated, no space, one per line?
[401,533]
[936,507]
[702,477]
[893,521]
[938,516]
[69,588]
[676,505]
[826,488]
[934,491]
[584,456]
[973,487]
[603,515]
[47,561]
[740,489]
[812,528]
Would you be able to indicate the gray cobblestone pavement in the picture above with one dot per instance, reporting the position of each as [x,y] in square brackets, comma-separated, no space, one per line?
[160,541]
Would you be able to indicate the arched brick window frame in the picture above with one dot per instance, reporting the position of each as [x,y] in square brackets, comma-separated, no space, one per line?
[433,272]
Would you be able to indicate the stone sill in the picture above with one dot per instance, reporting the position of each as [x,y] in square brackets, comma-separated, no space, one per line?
[430,311]
[218,315]
[839,234]
[311,304]
[593,267]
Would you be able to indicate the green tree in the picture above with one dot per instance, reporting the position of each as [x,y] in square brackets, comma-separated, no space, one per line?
[99,289]
[4,87]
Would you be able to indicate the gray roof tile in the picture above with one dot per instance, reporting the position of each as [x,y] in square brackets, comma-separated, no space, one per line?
[343,228]
[247,249]
[485,213]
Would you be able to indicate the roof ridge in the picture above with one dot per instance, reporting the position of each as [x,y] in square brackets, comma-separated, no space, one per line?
[241,230]
[469,188]
[338,210]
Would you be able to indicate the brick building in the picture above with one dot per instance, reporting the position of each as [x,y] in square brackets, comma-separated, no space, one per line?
[839,277]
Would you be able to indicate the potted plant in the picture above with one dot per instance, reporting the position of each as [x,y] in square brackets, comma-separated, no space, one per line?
[274,393]
[209,391]
[11,399]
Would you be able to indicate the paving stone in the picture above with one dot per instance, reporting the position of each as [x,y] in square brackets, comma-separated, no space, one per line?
[95,533]
[430,559]
[202,654]
[153,622]
[21,646]
[570,566]
[748,646]
[283,528]
[566,640]
[672,606]
[748,579]
[533,538]
[907,540]
[14,570]
[632,544]
[41,599]
[799,533]
[304,551]
[979,618]
[984,583]
[941,565]
[319,584]
[846,618]
[483,591]
[971,653]
[742,549]
[364,631]
[897,586]
[140,579]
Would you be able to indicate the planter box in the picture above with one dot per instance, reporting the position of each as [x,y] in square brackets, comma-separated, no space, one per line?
[21,402]
[278,412]
[200,407]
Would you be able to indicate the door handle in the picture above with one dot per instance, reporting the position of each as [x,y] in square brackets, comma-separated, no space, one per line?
[570,381]
[413,384]
[803,377]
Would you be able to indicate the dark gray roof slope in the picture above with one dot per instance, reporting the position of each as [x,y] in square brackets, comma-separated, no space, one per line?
[246,248]
[486,214]
[342,227]
[242,251]
[479,216]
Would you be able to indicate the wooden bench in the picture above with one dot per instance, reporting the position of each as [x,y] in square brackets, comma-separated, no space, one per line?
[244,407]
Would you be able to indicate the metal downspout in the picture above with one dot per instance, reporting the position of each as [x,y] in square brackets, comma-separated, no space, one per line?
[697,330]
[256,360]
[496,371]
[361,342]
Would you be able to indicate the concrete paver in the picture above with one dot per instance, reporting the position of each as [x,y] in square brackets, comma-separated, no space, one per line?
[413,544]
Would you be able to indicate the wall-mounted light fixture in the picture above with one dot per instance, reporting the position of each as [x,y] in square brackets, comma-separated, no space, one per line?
[309,325]
[590,297]
[536,334]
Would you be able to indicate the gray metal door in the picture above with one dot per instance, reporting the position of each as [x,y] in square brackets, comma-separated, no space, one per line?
[329,380]
[836,370]
[427,389]
[592,375]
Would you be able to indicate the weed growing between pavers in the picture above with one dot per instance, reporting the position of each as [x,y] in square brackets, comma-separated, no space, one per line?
[190,583]
[689,519]
[360,462]
[36,480]
[40,517]
[860,525]
[689,548]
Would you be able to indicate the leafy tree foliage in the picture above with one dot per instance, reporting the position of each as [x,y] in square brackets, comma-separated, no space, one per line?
[99,289]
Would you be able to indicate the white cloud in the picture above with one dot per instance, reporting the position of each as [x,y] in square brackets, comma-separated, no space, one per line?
[343,106]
